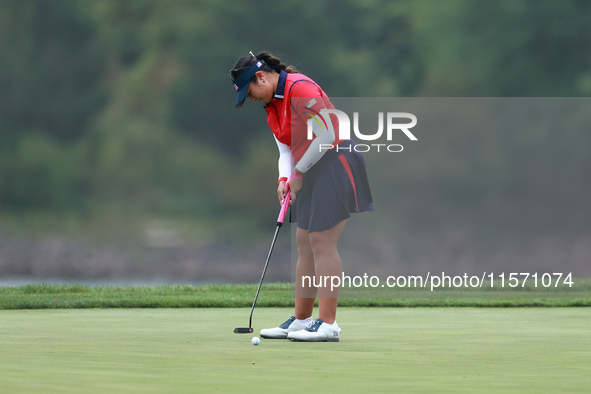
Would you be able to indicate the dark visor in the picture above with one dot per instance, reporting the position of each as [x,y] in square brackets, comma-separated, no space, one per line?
[241,81]
[234,73]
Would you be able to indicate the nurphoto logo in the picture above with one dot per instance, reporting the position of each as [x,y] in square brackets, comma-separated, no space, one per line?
[344,131]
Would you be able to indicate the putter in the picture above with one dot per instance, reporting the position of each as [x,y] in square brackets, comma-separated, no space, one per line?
[280,219]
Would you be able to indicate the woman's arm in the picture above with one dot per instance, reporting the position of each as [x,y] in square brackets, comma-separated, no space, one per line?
[285,164]
[286,160]
[324,136]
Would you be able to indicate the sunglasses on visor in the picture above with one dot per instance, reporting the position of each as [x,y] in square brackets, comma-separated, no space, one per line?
[235,73]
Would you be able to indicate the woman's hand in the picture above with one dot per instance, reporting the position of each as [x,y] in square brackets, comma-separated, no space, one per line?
[295,185]
[281,191]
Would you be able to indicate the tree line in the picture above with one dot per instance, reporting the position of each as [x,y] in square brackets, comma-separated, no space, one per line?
[128,103]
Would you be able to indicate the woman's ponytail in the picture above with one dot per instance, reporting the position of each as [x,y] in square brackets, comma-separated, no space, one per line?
[274,63]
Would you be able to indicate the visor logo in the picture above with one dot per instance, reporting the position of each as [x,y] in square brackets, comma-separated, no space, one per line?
[236,87]
[259,64]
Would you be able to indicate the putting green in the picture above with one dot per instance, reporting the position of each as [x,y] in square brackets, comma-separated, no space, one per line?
[444,350]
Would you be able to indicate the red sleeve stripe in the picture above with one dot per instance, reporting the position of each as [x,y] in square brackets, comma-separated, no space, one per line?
[350,173]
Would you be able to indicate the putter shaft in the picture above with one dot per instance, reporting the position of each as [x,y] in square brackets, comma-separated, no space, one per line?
[264,271]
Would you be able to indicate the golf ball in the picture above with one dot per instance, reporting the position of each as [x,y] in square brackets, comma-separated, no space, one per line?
[256,340]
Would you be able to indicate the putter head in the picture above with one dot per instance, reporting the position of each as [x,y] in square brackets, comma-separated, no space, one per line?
[243,330]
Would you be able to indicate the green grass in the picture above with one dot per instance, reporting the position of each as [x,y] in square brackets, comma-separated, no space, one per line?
[411,350]
[186,296]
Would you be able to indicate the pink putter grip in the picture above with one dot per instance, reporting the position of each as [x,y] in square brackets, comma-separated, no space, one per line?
[285,205]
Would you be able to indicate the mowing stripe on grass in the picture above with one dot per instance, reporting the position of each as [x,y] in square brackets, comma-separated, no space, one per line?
[411,350]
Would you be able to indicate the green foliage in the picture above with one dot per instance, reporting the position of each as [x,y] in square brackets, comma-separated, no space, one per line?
[42,174]
[127,102]
[51,70]
[504,48]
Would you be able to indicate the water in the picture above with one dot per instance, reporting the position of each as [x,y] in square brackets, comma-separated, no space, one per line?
[13,281]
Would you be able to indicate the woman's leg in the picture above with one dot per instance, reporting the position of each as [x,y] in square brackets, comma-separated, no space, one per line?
[305,292]
[327,263]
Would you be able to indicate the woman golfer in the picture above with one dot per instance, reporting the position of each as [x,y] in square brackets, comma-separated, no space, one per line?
[328,183]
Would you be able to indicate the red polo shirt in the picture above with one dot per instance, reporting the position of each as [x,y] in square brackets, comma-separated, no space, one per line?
[287,113]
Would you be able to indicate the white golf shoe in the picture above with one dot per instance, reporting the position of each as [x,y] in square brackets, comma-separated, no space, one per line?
[291,324]
[317,331]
